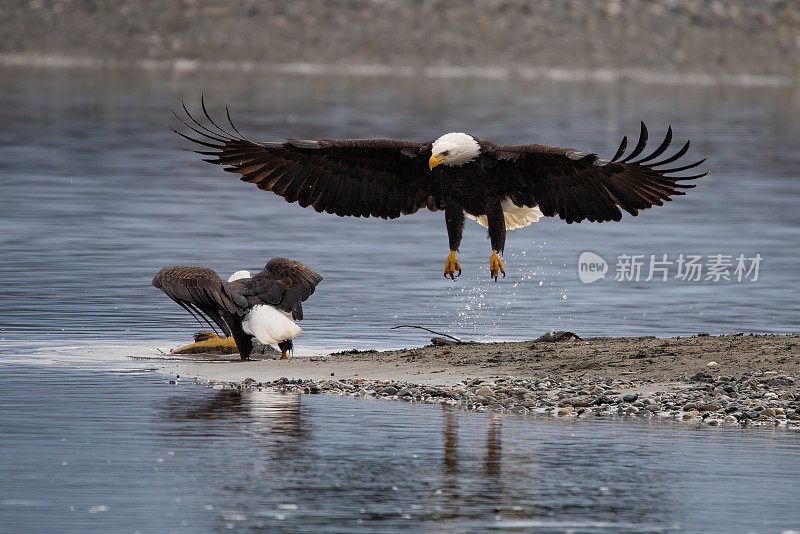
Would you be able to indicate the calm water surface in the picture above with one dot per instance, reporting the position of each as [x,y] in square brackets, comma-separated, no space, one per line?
[125,452]
[96,197]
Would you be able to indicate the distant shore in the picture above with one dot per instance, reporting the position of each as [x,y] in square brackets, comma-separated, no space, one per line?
[707,40]
[719,380]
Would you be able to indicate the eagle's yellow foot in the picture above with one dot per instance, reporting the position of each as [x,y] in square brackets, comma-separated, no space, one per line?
[495,265]
[451,265]
[284,356]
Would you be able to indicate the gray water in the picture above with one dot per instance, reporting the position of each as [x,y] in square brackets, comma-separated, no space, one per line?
[124,452]
[96,197]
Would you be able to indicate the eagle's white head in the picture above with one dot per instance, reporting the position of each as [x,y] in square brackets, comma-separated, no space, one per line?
[239,275]
[454,149]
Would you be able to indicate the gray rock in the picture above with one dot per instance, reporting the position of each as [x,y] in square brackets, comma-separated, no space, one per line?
[779,382]
[558,336]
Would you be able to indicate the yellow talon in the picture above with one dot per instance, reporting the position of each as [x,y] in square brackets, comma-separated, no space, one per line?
[495,265]
[451,265]
[284,356]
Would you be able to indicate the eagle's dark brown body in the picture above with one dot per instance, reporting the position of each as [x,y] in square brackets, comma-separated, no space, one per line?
[388,178]
[465,188]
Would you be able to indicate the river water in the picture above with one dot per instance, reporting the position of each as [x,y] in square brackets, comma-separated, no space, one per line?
[96,197]
[85,450]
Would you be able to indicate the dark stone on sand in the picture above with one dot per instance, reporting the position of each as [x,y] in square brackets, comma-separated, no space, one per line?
[389,390]
[578,402]
[631,397]
[558,336]
[779,382]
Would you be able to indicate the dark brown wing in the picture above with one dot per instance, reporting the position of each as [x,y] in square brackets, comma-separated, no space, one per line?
[201,292]
[577,186]
[283,283]
[362,177]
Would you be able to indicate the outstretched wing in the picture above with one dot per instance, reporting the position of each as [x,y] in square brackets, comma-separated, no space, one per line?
[577,186]
[361,177]
[283,283]
[201,292]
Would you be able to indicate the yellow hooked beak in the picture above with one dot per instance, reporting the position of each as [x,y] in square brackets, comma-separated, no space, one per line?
[435,160]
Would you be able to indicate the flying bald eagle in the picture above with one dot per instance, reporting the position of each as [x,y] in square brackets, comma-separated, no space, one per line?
[264,306]
[501,187]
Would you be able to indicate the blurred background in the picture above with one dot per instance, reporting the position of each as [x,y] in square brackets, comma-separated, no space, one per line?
[98,195]
[482,38]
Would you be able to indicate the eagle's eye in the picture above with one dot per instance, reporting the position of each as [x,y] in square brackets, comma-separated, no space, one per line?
[446,153]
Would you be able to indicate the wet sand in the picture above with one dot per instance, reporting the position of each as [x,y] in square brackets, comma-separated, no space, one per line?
[643,358]
[733,379]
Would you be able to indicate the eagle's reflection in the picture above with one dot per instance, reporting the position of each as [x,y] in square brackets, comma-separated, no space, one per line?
[258,411]
[452,470]
[450,443]
[494,446]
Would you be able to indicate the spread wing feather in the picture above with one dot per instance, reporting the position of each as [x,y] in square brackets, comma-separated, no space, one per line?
[283,283]
[202,293]
[577,186]
[361,177]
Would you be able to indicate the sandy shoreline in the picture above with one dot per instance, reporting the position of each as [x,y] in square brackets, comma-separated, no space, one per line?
[733,380]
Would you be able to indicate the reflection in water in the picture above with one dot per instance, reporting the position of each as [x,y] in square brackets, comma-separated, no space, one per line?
[462,485]
[221,405]
[450,445]
[86,451]
[494,447]
[494,444]
[263,411]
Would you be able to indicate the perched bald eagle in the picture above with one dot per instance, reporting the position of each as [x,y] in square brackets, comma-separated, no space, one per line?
[502,187]
[264,306]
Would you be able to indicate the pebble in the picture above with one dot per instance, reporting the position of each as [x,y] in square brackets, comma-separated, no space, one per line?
[756,399]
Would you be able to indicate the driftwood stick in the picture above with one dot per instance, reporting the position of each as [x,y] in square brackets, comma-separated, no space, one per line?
[427,330]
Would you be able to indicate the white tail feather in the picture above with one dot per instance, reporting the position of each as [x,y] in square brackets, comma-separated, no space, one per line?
[515,216]
[269,325]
